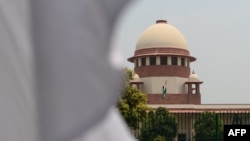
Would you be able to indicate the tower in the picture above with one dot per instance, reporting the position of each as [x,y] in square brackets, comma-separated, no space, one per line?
[162,59]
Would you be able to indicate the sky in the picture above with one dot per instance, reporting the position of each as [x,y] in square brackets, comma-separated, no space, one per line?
[217,34]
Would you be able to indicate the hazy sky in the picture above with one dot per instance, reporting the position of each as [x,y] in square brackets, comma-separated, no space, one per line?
[217,33]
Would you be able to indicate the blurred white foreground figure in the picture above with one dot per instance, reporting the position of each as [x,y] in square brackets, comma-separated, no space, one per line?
[57,83]
[18,117]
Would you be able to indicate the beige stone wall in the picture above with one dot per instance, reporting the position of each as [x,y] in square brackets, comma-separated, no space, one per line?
[153,85]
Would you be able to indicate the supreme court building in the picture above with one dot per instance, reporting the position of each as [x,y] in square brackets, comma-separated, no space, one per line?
[162,59]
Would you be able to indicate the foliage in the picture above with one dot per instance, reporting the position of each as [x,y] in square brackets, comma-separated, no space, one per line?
[208,126]
[132,104]
[156,125]
[148,127]
[133,107]
[160,138]
[166,124]
[128,73]
[237,120]
[159,123]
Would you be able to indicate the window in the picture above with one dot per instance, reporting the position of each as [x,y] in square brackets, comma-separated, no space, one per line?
[152,60]
[193,89]
[182,61]
[143,61]
[164,60]
[174,60]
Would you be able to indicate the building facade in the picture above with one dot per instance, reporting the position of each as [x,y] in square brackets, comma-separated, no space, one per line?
[162,66]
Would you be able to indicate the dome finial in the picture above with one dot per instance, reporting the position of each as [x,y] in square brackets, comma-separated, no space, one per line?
[193,72]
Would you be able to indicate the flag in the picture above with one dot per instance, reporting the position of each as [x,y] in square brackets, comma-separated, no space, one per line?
[164,91]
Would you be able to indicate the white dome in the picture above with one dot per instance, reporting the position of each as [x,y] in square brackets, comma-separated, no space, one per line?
[136,77]
[194,77]
[161,34]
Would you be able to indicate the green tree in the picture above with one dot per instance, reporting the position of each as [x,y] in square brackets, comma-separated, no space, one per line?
[160,138]
[133,107]
[237,120]
[128,73]
[159,125]
[208,126]
[166,123]
[148,128]
[132,104]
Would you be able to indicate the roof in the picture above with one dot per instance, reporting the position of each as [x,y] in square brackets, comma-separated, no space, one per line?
[217,108]
[194,77]
[163,35]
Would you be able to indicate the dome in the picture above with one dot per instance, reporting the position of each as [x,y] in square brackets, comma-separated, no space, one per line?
[161,39]
[194,77]
[136,77]
[161,34]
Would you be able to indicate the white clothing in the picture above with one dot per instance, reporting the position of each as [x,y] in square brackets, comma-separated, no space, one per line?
[67,85]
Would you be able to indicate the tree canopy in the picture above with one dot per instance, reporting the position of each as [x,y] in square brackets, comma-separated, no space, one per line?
[160,125]
[133,107]
[208,126]
[132,104]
